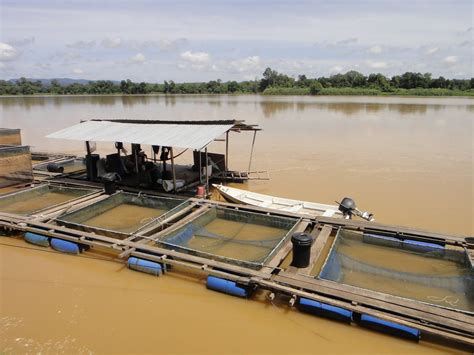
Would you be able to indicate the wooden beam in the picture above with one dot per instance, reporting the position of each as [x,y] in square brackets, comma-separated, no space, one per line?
[285,249]
[454,319]
[460,338]
[317,247]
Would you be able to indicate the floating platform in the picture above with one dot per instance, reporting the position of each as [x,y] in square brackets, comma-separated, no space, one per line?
[354,273]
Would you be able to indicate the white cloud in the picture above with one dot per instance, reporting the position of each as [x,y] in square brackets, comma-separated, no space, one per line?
[23,41]
[138,58]
[111,42]
[375,50]
[336,69]
[377,65]
[81,44]
[7,52]
[77,71]
[347,41]
[432,50]
[195,57]
[247,64]
[451,59]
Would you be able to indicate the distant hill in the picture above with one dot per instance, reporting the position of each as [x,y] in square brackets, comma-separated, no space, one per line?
[62,81]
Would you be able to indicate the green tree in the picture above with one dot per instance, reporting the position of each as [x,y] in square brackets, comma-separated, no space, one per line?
[315,87]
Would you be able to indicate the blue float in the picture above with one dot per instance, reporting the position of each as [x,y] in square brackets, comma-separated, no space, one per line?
[324,310]
[65,246]
[381,240]
[37,239]
[147,266]
[424,247]
[389,327]
[226,286]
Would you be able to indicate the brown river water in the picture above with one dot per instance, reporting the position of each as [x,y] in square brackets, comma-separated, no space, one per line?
[408,160]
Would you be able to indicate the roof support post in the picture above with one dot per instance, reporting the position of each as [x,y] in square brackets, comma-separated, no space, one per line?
[173,169]
[207,175]
[200,167]
[251,151]
[88,148]
[227,151]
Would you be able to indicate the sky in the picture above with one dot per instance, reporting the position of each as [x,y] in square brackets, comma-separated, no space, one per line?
[202,40]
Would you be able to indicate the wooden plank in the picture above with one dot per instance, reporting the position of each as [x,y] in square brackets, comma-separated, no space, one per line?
[373,226]
[454,336]
[429,313]
[316,248]
[285,249]
[91,239]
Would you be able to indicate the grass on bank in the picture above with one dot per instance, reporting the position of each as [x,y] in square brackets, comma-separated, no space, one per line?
[366,92]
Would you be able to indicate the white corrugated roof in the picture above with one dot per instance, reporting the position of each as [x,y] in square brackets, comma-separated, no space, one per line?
[193,136]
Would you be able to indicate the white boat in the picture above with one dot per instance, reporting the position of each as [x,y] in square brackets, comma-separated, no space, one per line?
[239,196]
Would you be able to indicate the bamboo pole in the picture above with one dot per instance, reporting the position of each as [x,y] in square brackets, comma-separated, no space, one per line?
[251,151]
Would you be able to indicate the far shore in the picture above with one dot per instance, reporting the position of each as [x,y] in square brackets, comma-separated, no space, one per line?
[463,94]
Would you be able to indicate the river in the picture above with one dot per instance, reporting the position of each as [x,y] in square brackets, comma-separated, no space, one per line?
[407,160]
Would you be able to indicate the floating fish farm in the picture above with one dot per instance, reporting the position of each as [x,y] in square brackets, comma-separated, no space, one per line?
[408,283]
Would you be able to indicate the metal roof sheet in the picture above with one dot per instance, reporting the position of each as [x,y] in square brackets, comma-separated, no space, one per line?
[193,135]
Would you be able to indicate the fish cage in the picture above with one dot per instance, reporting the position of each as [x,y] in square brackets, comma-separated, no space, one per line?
[10,136]
[15,165]
[38,199]
[238,237]
[423,271]
[123,214]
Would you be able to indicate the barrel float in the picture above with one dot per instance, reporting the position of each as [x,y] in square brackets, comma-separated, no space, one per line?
[37,239]
[226,286]
[147,266]
[324,310]
[381,240]
[423,247]
[65,246]
[389,327]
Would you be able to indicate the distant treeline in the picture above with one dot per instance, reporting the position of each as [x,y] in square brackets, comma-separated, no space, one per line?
[272,83]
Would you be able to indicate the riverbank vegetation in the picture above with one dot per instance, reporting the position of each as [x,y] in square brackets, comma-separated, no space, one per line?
[271,83]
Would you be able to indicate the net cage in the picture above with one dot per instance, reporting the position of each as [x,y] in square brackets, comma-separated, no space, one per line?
[123,214]
[15,165]
[10,136]
[421,271]
[38,199]
[238,237]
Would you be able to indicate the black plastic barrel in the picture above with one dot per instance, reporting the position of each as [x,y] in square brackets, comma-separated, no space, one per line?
[110,185]
[301,249]
[54,168]
[91,166]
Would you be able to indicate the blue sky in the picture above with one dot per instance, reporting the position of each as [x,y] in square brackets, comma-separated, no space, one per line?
[232,40]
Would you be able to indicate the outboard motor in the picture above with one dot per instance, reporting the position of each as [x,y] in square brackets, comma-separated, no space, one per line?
[348,208]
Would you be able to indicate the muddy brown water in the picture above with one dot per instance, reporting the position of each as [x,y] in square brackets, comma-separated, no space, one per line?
[125,218]
[408,160]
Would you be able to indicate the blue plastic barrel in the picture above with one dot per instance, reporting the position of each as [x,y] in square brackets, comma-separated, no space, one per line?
[226,286]
[147,266]
[37,239]
[324,310]
[423,247]
[381,240]
[65,246]
[389,327]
